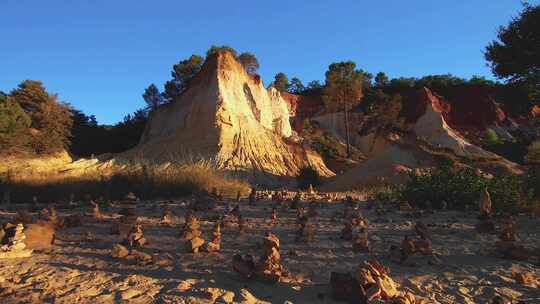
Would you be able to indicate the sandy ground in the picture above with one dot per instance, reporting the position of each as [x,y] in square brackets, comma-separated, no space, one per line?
[79,268]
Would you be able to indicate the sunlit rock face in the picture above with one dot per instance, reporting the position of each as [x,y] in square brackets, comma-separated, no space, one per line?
[230,117]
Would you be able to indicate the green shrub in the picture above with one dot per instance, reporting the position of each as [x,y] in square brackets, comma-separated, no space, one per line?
[461,188]
[532,182]
[533,152]
[491,137]
[307,176]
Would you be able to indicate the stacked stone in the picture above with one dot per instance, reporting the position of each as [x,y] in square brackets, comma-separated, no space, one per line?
[306,232]
[13,245]
[135,237]
[167,216]
[215,244]
[96,212]
[361,241]
[269,266]
[273,215]
[486,224]
[507,245]
[371,284]
[192,234]
[347,231]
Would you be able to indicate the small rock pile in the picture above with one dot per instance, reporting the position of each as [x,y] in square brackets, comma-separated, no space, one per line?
[361,241]
[167,216]
[269,264]
[215,244]
[371,284]
[135,237]
[347,231]
[12,242]
[507,245]
[485,224]
[268,267]
[419,243]
[96,211]
[306,231]
[192,234]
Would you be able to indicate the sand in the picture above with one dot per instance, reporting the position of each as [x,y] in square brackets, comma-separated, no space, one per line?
[79,268]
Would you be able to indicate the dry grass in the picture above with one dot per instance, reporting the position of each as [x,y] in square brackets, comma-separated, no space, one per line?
[146,180]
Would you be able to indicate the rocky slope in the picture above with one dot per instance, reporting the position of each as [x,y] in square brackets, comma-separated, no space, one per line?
[427,136]
[230,117]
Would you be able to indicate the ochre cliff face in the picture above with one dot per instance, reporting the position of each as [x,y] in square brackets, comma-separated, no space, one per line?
[229,116]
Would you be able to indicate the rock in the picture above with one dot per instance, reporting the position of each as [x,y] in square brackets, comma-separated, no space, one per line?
[361,242]
[119,251]
[347,232]
[130,293]
[405,206]
[135,237]
[345,287]
[227,297]
[524,278]
[212,293]
[485,226]
[184,285]
[141,257]
[244,265]
[245,297]
[194,244]
[422,230]
[484,205]
[39,235]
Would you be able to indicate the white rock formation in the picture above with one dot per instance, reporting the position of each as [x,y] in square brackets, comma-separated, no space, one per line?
[230,117]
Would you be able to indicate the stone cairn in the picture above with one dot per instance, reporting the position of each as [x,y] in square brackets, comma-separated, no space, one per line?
[96,211]
[361,241]
[421,243]
[135,237]
[306,231]
[167,216]
[12,242]
[347,231]
[192,234]
[273,216]
[127,220]
[507,245]
[485,224]
[215,244]
[268,267]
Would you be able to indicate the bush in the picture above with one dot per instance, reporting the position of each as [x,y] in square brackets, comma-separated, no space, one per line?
[532,182]
[462,187]
[491,137]
[307,176]
[533,152]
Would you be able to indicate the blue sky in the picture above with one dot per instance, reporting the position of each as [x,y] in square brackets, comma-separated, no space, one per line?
[99,55]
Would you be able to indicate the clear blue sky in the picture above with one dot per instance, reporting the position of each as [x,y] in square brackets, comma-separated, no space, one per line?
[99,55]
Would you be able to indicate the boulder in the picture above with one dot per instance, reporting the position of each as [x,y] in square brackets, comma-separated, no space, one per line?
[39,235]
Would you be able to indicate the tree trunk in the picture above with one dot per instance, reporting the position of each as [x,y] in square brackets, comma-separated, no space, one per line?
[346,114]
